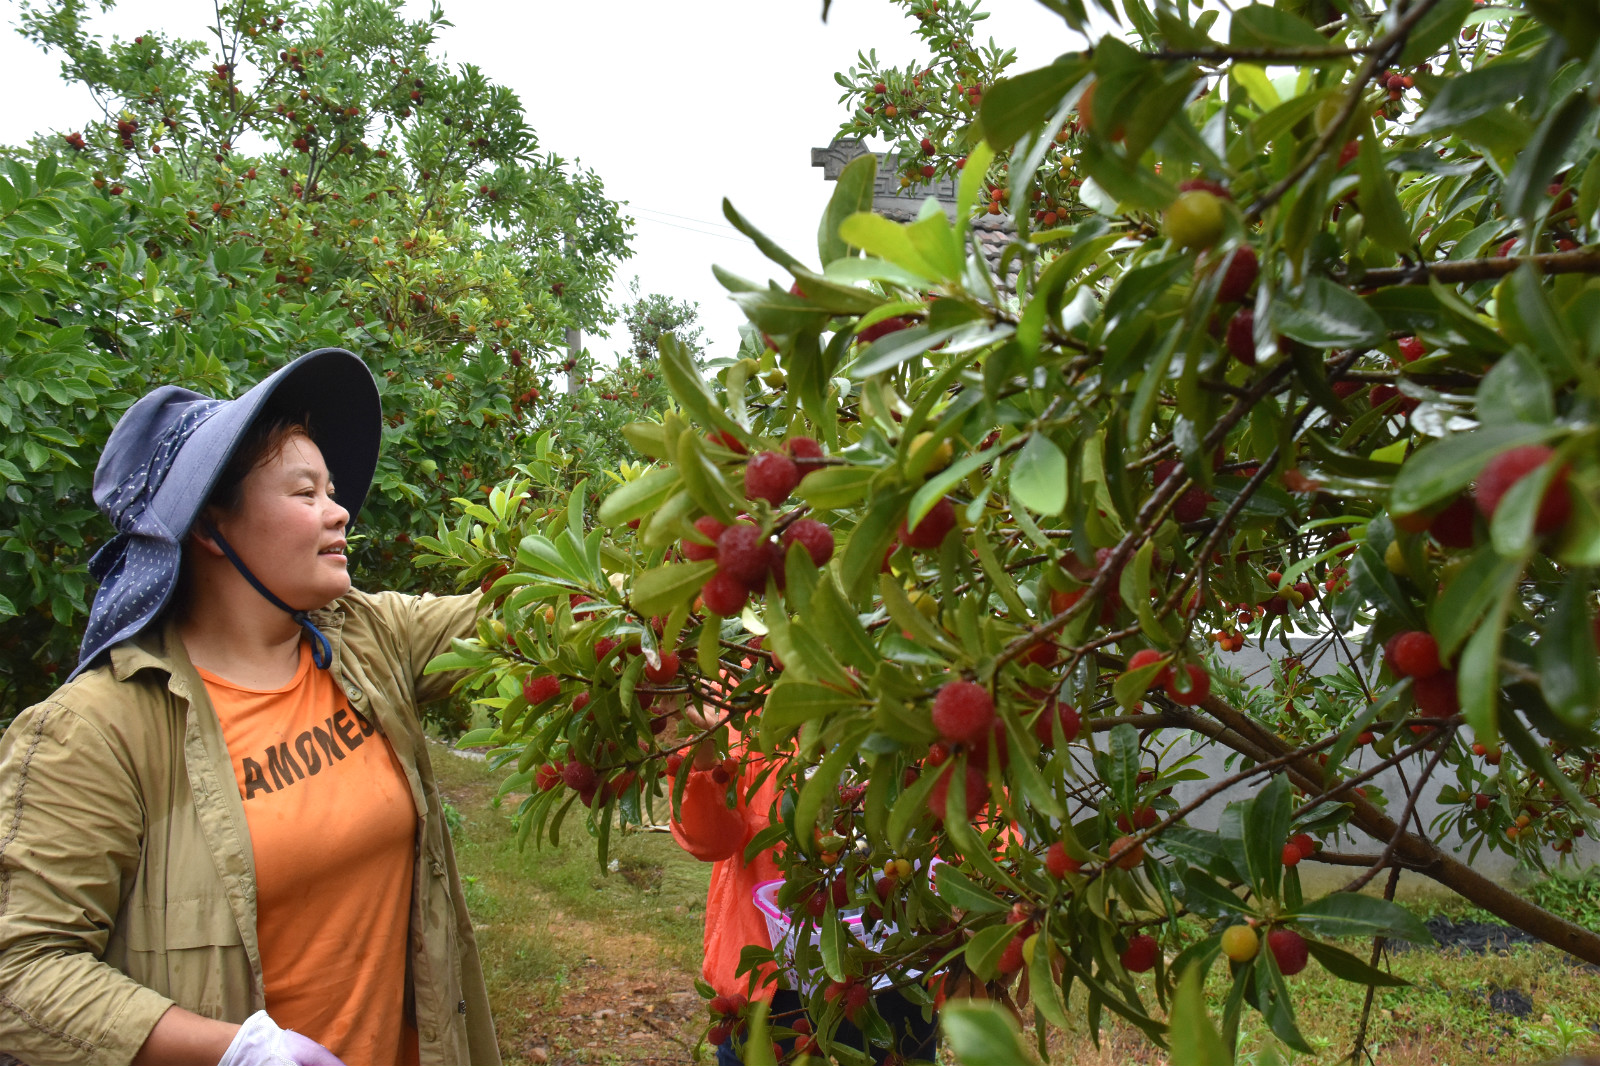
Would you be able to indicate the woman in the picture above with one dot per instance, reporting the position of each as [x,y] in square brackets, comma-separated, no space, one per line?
[707,828]
[222,841]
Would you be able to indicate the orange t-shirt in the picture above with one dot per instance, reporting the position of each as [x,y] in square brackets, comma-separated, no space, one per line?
[332,828]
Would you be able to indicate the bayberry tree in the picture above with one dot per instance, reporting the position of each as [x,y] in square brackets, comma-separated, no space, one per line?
[1306,350]
[314,175]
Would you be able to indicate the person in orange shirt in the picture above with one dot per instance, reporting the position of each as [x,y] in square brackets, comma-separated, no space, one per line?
[271,883]
[710,830]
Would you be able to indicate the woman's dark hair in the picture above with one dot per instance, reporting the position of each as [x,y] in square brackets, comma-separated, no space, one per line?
[262,440]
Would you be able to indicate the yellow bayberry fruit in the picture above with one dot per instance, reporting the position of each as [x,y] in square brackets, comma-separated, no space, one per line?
[1195,219]
[1240,943]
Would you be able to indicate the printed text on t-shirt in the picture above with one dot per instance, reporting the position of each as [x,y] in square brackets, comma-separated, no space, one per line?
[320,746]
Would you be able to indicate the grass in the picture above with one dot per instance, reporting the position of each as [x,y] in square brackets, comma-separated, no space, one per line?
[585,967]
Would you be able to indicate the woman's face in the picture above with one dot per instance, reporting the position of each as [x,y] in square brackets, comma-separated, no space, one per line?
[288,530]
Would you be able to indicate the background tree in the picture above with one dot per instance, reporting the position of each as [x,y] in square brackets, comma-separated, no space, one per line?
[314,175]
[650,316]
[1299,353]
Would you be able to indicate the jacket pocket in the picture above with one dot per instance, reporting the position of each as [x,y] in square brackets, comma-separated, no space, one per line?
[183,923]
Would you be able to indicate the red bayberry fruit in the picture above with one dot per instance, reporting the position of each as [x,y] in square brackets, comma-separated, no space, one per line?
[1199,686]
[1411,349]
[977,791]
[725,595]
[1413,654]
[934,527]
[815,537]
[537,689]
[963,712]
[1191,506]
[1241,339]
[708,527]
[1141,953]
[1241,274]
[805,452]
[1289,949]
[727,440]
[1453,526]
[718,1034]
[1064,713]
[579,777]
[1147,656]
[1058,862]
[1291,854]
[1011,956]
[743,555]
[660,675]
[1307,846]
[1510,467]
[770,476]
[1436,695]
[548,776]
[884,328]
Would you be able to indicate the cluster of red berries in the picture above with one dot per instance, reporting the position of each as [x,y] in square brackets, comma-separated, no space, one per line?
[1300,846]
[1415,654]
[746,553]
[1198,680]
[729,1014]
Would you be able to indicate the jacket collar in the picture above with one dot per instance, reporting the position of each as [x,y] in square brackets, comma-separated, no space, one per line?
[159,647]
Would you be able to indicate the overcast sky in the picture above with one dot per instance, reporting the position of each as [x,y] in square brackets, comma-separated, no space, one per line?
[674,105]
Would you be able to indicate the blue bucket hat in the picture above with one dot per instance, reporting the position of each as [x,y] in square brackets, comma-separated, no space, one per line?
[163,459]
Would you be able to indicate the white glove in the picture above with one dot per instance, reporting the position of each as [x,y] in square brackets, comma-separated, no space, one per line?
[259,1042]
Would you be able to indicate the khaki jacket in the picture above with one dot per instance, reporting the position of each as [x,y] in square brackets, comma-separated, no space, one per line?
[126,877]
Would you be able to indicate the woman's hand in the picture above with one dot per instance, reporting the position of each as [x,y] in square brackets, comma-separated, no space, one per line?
[708,752]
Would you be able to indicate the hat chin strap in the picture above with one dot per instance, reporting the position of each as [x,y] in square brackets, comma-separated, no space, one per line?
[321,650]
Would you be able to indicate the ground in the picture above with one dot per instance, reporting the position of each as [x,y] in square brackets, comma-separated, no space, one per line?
[586,967]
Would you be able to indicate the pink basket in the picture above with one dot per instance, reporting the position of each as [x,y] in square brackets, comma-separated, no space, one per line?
[781,933]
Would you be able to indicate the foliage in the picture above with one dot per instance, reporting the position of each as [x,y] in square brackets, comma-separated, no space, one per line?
[1306,354]
[316,176]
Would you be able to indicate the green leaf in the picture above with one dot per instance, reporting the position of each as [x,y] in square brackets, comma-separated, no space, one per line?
[1353,914]
[1122,766]
[635,499]
[1266,823]
[980,1033]
[985,948]
[660,590]
[1485,579]
[1191,1036]
[1386,220]
[1569,664]
[1013,106]
[1326,315]
[762,241]
[792,702]
[1039,476]
[1478,673]
[960,891]
[1440,470]
[1516,389]
[852,194]
[1261,26]
[1474,92]
[1525,187]
[888,352]
[887,240]
[835,487]
[1347,967]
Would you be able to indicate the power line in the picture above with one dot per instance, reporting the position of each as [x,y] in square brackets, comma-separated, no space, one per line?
[686,218]
[689,229]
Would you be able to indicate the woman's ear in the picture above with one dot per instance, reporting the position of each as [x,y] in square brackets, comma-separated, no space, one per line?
[200,534]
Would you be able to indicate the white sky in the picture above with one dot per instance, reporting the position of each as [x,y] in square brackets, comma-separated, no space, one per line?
[674,105]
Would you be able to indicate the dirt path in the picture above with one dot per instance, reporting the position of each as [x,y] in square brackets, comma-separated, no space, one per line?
[620,1005]
[582,969]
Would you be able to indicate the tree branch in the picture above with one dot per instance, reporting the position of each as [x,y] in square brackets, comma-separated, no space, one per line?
[1581,261]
